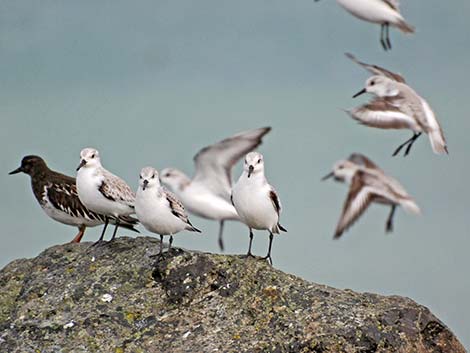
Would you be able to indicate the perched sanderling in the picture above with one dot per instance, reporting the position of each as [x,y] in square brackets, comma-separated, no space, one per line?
[384,12]
[159,210]
[397,106]
[207,195]
[57,195]
[368,184]
[256,201]
[102,191]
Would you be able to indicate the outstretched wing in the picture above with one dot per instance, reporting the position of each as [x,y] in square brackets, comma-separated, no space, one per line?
[381,113]
[116,189]
[362,160]
[214,163]
[377,70]
[357,201]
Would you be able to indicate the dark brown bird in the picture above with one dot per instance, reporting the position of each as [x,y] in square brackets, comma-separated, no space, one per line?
[58,197]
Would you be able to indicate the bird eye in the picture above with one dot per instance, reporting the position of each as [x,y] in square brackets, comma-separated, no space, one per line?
[167,175]
[259,161]
[93,155]
[372,83]
[140,176]
[153,176]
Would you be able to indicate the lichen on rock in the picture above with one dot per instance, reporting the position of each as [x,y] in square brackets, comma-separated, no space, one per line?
[117,298]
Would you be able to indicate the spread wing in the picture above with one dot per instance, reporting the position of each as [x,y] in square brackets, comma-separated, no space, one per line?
[357,201]
[214,163]
[381,113]
[362,160]
[116,189]
[64,197]
[377,70]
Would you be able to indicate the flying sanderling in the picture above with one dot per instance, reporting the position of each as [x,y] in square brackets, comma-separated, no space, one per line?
[207,195]
[57,196]
[368,184]
[397,106]
[384,12]
[158,209]
[102,191]
[256,201]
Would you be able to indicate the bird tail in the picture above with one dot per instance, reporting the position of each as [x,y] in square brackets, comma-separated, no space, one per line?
[410,206]
[405,27]
[128,222]
[192,228]
[278,228]
[438,142]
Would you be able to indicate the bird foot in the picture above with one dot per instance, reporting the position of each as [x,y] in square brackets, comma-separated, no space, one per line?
[268,258]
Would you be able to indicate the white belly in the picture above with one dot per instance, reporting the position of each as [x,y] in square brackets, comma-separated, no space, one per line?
[203,203]
[255,207]
[88,191]
[376,11]
[65,218]
[155,215]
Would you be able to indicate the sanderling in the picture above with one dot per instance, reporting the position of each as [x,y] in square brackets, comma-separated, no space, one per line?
[207,195]
[397,106]
[384,12]
[57,195]
[256,201]
[158,209]
[102,191]
[368,184]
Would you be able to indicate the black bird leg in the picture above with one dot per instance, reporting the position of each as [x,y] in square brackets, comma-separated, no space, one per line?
[389,224]
[382,35]
[115,229]
[171,242]
[387,36]
[221,240]
[408,142]
[100,240]
[268,256]
[249,254]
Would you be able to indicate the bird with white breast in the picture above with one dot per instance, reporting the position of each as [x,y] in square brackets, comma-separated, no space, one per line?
[101,191]
[207,195]
[159,210]
[256,201]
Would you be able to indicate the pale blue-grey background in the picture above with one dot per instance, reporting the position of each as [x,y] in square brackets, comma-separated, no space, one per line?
[151,82]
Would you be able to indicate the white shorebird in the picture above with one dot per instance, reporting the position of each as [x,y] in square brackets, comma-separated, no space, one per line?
[256,201]
[384,12]
[368,184]
[397,106]
[58,197]
[207,195]
[101,191]
[158,209]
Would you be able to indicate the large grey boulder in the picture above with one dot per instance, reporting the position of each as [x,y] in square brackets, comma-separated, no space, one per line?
[113,298]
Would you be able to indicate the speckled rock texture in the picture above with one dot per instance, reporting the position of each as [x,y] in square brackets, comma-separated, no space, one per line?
[116,298]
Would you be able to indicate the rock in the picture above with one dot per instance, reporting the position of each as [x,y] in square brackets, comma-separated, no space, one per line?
[114,298]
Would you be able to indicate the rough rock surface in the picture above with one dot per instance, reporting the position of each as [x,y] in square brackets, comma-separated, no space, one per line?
[113,298]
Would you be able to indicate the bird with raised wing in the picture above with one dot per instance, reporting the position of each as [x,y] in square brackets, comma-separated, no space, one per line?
[159,210]
[397,106]
[368,184]
[383,12]
[207,195]
[101,191]
[256,201]
[57,195]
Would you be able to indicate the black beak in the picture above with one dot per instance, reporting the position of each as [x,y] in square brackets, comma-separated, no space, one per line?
[250,170]
[359,93]
[146,182]
[82,163]
[328,176]
[16,171]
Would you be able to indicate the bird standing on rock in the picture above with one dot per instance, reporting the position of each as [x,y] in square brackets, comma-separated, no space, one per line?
[256,201]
